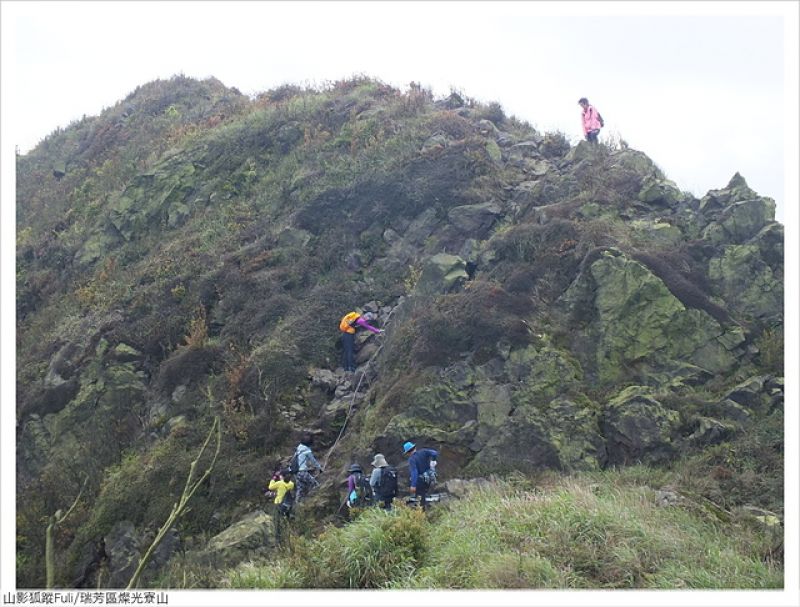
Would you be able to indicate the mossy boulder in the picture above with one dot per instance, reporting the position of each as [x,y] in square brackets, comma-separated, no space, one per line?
[635,162]
[729,409]
[441,273]
[98,244]
[564,434]
[736,190]
[164,193]
[657,232]
[660,192]
[631,317]
[531,413]
[124,353]
[770,244]
[249,537]
[710,431]
[637,427]
[521,444]
[741,277]
[542,372]
[741,221]
[440,412]
[752,393]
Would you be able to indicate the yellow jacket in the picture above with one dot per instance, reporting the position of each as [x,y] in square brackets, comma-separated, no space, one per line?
[280,488]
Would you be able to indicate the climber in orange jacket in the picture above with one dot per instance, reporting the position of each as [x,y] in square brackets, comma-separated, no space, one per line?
[348,325]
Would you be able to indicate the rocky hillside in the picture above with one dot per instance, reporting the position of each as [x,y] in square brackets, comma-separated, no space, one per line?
[188,254]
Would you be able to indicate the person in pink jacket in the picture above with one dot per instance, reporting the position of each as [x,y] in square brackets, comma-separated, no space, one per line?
[592,120]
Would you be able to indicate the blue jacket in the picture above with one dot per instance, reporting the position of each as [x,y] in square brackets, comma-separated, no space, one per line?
[420,463]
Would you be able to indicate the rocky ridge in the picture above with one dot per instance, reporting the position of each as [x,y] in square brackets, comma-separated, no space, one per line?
[546,306]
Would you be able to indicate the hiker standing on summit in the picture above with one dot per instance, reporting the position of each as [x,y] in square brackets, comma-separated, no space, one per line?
[348,325]
[592,120]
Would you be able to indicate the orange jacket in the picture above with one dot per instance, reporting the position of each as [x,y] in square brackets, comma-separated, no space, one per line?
[346,325]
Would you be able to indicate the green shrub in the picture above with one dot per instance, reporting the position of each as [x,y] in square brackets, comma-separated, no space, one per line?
[370,552]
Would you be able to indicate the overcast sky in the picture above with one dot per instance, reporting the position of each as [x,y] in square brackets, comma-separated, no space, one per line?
[704,89]
[703,96]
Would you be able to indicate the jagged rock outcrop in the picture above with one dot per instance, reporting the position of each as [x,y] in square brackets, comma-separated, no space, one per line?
[546,306]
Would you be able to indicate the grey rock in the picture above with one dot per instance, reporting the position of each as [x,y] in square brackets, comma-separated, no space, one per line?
[325,379]
[123,549]
[177,393]
[475,219]
[441,273]
[247,538]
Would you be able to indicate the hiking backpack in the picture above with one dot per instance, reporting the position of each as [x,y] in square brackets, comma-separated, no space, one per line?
[348,322]
[294,463]
[387,483]
[600,118]
[285,507]
[363,491]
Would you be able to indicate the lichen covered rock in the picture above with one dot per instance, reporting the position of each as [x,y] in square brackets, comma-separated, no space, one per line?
[631,317]
[637,427]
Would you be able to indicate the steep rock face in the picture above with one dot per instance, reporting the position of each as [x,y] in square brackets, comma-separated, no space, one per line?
[632,318]
[545,306]
[740,275]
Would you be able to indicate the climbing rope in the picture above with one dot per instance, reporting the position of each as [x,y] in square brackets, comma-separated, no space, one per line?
[355,393]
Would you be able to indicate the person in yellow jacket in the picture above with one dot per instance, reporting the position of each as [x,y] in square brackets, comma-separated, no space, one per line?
[281,483]
[349,324]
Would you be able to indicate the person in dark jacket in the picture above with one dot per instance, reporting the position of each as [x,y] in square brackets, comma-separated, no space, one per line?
[421,469]
[384,492]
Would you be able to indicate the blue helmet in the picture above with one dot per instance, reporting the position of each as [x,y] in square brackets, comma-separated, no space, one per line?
[408,446]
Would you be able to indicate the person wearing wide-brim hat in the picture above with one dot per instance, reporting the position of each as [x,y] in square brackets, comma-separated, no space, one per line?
[383,481]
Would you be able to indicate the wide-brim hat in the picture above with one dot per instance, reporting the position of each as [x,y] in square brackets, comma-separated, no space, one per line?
[408,446]
[379,461]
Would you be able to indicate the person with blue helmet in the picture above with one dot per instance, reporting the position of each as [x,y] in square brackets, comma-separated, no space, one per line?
[421,469]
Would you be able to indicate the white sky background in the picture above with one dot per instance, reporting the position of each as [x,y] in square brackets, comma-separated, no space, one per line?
[703,88]
[701,95]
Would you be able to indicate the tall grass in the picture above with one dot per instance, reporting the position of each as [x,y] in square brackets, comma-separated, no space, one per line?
[584,532]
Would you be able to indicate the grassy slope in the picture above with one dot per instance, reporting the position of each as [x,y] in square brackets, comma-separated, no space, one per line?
[589,531]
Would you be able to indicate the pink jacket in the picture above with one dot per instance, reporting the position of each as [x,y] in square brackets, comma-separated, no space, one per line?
[365,325]
[590,120]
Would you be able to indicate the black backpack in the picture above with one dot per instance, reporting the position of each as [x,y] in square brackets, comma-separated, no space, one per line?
[285,507]
[363,490]
[600,118]
[294,464]
[387,483]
